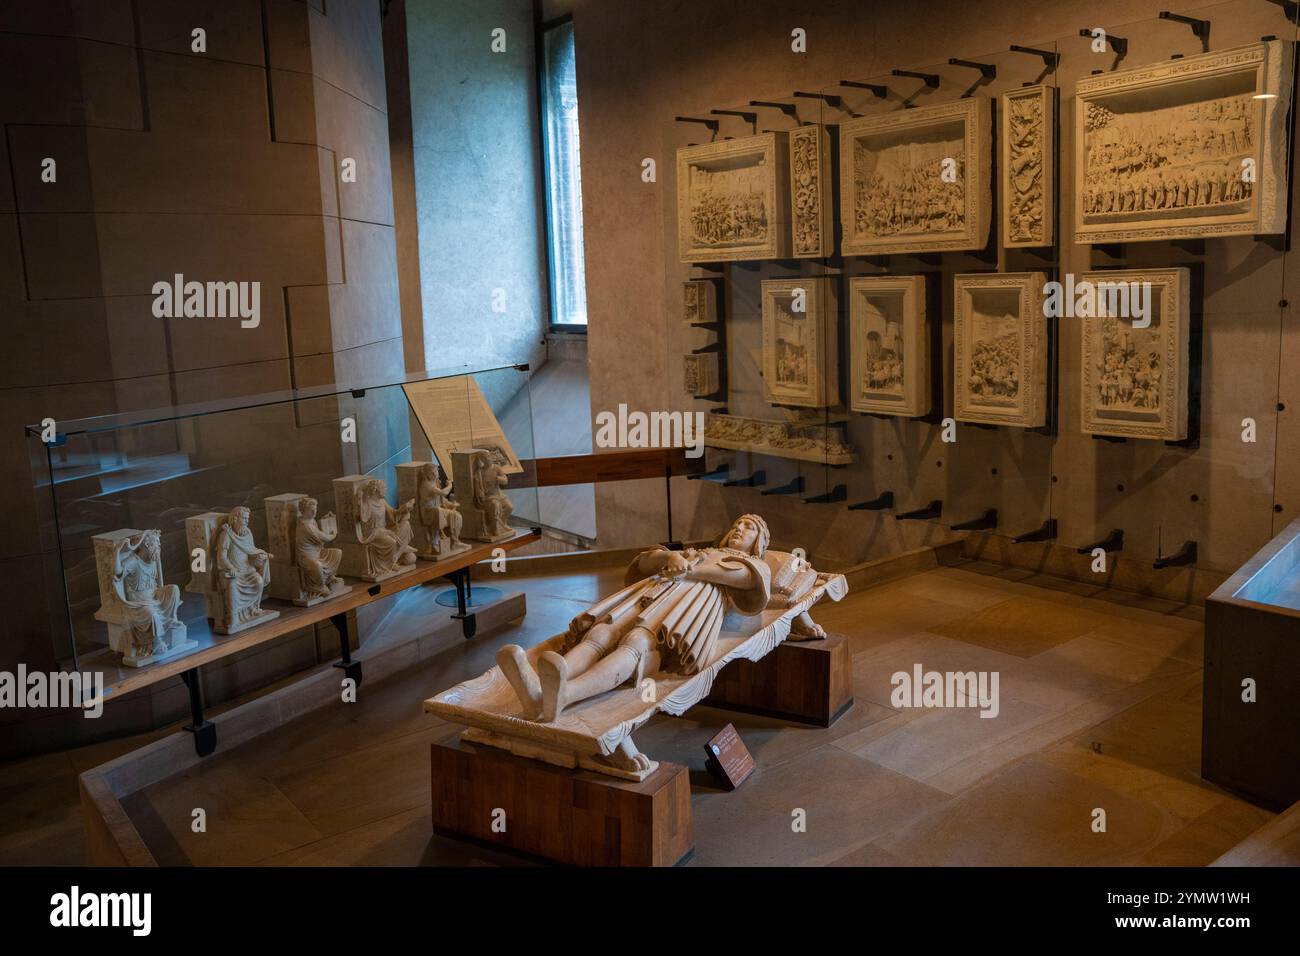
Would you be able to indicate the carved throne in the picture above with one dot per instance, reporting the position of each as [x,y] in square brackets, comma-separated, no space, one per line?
[282,536]
[475,527]
[201,531]
[357,559]
[114,612]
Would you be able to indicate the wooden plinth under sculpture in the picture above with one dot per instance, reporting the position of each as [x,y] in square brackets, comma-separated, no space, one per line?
[807,681]
[571,816]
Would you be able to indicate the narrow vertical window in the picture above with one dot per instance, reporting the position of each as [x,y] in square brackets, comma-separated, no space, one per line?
[563,179]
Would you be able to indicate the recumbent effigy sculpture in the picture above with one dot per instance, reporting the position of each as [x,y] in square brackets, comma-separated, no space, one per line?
[575,699]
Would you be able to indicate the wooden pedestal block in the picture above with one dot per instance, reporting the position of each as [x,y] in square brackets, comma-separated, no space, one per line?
[570,816]
[807,681]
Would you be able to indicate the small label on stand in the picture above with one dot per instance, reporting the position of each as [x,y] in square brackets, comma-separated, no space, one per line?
[727,758]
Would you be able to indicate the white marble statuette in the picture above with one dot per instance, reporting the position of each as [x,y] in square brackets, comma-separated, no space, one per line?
[141,611]
[304,569]
[656,645]
[372,530]
[233,571]
[479,482]
[436,517]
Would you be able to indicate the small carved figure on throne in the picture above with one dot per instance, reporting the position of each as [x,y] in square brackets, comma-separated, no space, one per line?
[438,514]
[318,565]
[244,570]
[489,481]
[385,550]
[143,612]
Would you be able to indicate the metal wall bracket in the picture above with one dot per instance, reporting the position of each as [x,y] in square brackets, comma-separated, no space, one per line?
[929,79]
[1112,542]
[931,511]
[985,522]
[753,481]
[1201,28]
[987,70]
[1051,59]
[1047,532]
[792,487]
[1184,556]
[877,90]
[838,493]
[1117,44]
[882,502]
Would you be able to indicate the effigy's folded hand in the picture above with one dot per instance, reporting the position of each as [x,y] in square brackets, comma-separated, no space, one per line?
[675,565]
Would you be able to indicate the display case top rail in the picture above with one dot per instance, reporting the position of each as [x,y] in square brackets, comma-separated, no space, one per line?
[155,416]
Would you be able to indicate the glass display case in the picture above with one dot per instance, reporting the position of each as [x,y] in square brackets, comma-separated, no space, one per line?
[156,470]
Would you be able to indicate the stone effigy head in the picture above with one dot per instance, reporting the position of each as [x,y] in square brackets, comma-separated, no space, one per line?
[239,519]
[307,507]
[748,533]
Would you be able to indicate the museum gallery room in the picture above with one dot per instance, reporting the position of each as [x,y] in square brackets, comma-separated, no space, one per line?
[500,433]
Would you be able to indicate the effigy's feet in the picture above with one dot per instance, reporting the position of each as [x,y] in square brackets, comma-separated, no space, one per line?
[523,680]
[554,675]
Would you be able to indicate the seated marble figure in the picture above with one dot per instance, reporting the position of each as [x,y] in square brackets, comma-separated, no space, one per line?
[668,617]
[243,573]
[140,609]
[439,514]
[318,564]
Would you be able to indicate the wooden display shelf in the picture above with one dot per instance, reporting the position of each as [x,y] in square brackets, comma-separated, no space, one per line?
[120,680]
